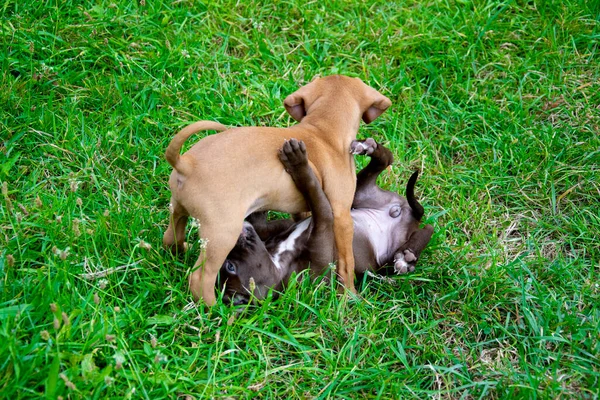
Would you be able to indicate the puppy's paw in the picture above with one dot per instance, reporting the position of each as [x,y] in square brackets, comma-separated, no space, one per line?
[293,154]
[404,262]
[363,147]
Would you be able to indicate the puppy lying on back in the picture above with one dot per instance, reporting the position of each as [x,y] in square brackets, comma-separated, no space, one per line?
[386,229]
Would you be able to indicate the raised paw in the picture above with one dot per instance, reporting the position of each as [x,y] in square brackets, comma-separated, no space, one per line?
[293,154]
[363,147]
[404,262]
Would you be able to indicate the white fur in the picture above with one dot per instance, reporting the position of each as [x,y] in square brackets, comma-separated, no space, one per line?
[378,226]
[288,244]
[360,148]
[400,264]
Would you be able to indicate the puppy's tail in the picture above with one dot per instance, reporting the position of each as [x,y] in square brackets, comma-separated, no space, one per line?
[172,154]
[417,209]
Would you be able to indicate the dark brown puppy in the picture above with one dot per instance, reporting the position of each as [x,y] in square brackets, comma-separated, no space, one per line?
[386,229]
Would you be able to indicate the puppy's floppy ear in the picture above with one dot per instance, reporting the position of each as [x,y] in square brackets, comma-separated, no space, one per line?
[295,104]
[379,105]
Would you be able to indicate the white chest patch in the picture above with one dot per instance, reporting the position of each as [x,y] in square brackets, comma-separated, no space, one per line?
[289,243]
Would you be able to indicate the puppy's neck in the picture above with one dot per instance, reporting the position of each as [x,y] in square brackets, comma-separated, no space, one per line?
[337,124]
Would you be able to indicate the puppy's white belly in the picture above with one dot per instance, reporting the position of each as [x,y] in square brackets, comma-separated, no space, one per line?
[378,227]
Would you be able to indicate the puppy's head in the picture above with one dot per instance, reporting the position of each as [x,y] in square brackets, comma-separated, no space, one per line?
[340,90]
[248,272]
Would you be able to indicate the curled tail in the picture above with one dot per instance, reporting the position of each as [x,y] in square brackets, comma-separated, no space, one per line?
[417,209]
[172,154]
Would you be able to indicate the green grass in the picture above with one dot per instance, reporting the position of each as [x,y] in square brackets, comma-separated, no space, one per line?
[497,102]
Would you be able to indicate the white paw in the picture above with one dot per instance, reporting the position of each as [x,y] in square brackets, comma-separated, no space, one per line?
[361,148]
[404,262]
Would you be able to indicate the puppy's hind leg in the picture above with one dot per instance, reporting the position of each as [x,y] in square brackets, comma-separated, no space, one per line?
[219,238]
[408,254]
[174,236]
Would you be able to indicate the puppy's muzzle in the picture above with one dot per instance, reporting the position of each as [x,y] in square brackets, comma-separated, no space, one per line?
[237,299]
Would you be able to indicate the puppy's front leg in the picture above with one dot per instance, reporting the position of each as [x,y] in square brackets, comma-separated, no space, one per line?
[368,194]
[381,158]
[408,254]
[294,158]
[321,247]
[343,230]
[339,184]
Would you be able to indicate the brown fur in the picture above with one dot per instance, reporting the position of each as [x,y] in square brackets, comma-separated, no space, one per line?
[225,177]
[269,252]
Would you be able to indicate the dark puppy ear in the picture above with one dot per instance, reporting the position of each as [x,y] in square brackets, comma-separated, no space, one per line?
[379,105]
[295,104]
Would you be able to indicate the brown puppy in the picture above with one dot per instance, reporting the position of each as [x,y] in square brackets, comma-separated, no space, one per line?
[225,177]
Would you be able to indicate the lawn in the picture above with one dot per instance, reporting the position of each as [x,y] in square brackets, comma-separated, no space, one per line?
[496,102]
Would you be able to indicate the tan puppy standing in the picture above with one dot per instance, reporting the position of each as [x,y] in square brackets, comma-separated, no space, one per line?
[225,177]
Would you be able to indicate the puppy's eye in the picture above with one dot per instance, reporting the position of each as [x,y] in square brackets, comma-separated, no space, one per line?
[230,267]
